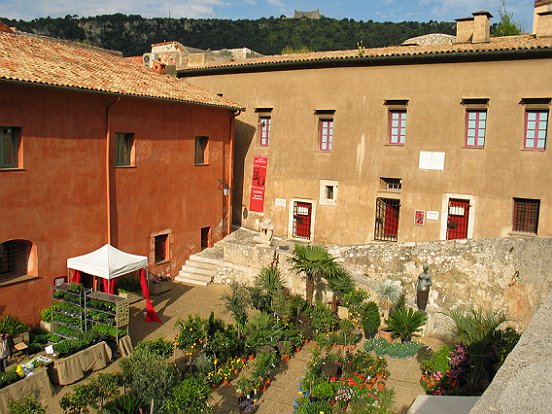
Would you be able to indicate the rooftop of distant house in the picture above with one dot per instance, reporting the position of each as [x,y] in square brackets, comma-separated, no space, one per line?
[56,63]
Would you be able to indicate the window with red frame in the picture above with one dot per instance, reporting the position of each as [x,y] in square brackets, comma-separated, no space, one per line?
[264,130]
[525,217]
[476,125]
[326,134]
[536,125]
[397,127]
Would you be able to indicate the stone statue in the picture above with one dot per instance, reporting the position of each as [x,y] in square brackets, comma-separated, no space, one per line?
[422,289]
[266,229]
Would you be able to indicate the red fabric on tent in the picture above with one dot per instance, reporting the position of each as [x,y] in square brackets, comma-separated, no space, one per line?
[151,316]
[109,286]
[105,283]
[76,276]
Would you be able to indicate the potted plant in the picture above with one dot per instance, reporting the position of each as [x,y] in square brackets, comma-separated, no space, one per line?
[369,319]
[404,322]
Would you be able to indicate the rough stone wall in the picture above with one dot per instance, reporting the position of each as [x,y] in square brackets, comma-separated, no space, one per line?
[509,274]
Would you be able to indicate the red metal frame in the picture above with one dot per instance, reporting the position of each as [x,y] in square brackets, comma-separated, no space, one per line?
[325,128]
[540,114]
[302,216]
[458,220]
[479,132]
[398,138]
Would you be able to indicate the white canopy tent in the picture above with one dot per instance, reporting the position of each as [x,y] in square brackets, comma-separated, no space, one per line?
[107,262]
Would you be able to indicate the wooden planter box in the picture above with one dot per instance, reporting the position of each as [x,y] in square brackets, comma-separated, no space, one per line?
[162,287]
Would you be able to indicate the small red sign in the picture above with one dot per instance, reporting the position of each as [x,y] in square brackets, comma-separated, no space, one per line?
[256,200]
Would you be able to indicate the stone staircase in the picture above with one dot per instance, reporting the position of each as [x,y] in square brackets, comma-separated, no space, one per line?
[200,268]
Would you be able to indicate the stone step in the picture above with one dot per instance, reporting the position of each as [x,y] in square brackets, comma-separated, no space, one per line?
[205,259]
[193,269]
[193,279]
[201,264]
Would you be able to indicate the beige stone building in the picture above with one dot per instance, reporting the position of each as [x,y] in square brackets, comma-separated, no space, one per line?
[422,141]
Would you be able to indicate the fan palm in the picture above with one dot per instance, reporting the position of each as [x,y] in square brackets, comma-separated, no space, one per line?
[313,263]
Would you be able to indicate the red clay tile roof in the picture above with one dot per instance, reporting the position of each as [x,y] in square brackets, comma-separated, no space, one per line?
[46,61]
[497,44]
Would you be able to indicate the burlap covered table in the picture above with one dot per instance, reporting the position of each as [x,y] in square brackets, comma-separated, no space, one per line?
[37,384]
[74,367]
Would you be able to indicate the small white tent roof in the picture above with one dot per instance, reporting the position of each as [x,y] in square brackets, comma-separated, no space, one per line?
[107,262]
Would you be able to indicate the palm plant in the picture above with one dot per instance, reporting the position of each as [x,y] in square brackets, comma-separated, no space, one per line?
[404,322]
[270,283]
[314,263]
[340,284]
[389,293]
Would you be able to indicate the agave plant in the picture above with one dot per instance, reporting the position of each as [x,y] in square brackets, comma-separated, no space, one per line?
[404,322]
[125,404]
[389,293]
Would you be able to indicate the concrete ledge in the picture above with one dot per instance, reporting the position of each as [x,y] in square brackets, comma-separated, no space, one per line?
[433,404]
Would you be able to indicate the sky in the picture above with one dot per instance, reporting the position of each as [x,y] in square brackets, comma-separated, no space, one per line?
[378,10]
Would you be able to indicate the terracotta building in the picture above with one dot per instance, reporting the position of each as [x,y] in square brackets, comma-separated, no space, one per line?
[95,149]
[433,139]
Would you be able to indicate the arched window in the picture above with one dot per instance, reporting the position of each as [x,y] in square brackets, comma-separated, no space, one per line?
[15,258]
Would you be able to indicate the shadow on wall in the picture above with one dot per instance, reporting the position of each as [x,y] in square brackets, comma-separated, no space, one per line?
[244,134]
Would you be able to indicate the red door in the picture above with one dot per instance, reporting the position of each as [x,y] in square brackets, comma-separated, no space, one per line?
[457,220]
[302,220]
[391,226]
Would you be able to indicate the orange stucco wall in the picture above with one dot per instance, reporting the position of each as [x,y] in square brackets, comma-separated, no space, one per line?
[57,200]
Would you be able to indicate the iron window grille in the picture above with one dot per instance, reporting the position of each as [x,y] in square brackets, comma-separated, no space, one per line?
[525,217]
[264,130]
[391,184]
[14,257]
[387,219]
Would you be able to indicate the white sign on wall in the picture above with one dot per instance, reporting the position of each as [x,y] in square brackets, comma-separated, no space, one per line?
[432,160]
[280,202]
[432,215]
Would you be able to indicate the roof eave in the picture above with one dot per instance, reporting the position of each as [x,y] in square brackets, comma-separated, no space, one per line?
[128,95]
[437,57]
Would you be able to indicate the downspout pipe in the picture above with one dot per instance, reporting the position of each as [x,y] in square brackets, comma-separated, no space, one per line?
[108,168]
[231,171]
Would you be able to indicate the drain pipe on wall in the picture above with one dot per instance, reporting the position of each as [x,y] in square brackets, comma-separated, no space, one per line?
[108,166]
[231,171]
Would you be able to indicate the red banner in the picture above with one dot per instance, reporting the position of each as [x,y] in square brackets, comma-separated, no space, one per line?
[256,200]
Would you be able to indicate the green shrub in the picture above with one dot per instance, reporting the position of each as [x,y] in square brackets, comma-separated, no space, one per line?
[27,405]
[70,346]
[505,341]
[237,303]
[8,377]
[324,390]
[11,325]
[125,404]
[150,376]
[323,319]
[265,364]
[159,346]
[438,361]
[190,397]
[46,314]
[404,322]
[129,284]
[369,318]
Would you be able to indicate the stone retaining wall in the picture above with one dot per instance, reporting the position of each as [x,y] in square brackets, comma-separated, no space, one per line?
[509,274]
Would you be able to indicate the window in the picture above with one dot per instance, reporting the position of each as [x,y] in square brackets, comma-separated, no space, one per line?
[397,127]
[391,184]
[325,129]
[14,258]
[525,217]
[476,124]
[124,149]
[201,150]
[387,219]
[161,248]
[9,147]
[264,130]
[536,124]
[328,193]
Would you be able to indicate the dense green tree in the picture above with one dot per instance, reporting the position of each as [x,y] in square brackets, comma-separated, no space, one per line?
[507,25]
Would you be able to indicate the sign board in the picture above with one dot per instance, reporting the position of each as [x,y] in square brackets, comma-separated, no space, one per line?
[419,217]
[432,215]
[280,202]
[432,160]
[256,199]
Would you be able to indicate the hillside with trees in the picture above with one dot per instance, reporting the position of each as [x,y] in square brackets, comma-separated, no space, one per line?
[133,35]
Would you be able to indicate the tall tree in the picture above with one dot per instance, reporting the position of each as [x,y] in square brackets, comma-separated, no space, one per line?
[507,26]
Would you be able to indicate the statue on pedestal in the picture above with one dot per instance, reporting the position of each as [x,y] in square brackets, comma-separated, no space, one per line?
[266,229]
[422,289]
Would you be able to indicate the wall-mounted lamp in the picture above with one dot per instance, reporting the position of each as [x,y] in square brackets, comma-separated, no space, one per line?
[224,187]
